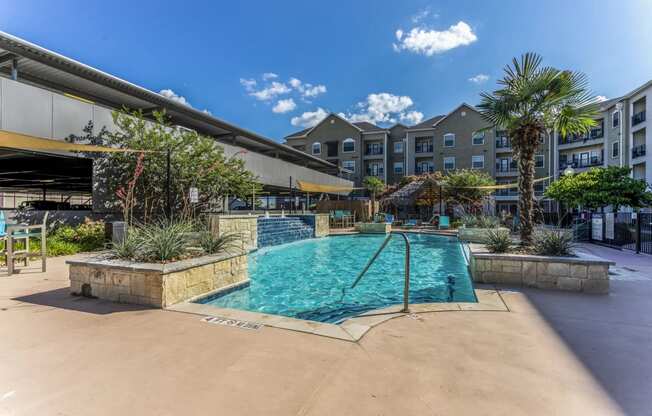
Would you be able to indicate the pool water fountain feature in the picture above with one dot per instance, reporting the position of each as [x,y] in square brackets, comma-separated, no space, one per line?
[274,231]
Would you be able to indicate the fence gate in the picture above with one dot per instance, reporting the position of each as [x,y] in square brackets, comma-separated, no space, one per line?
[624,230]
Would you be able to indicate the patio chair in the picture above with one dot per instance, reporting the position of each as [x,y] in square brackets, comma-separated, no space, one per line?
[24,232]
[410,224]
[3,227]
[444,222]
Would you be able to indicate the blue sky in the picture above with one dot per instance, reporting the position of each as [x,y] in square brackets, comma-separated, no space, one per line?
[340,56]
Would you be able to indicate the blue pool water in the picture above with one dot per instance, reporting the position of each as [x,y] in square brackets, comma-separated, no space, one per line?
[305,279]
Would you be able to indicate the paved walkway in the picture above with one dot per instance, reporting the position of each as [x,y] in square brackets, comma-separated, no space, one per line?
[553,353]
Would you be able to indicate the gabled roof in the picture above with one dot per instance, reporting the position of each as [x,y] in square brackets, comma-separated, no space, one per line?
[305,132]
[367,127]
[426,124]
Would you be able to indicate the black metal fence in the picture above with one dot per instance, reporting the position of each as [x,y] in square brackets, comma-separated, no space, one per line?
[624,230]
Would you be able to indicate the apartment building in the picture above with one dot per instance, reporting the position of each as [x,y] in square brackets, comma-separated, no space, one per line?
[619,139]
[461,139]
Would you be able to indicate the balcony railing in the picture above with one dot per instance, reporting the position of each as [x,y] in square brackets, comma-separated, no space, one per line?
[504,169]
[593,135]
[538,191]
[378,172]
[638,151]
[581,163]
[424,148]
[373,151]
[429,169]
[503,143]
[638,118]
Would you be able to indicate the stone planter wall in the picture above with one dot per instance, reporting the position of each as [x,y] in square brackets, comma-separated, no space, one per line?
[157,285]
[244,225]
[577,274]
[322,225]
[373,227]
[475,235]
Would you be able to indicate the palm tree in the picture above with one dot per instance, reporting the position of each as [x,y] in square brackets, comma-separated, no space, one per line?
[533,101]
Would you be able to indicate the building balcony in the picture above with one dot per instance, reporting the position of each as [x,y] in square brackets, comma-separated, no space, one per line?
[579,164]
[638,151]
[589,138]
[424,148]
[503,144]
[419,170]
[638,118]
[374,152]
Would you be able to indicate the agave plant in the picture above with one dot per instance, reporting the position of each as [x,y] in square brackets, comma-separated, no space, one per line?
[533,101]
[215,244]
[548,242]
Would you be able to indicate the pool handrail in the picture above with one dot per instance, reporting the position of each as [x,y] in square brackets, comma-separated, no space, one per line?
[406,287]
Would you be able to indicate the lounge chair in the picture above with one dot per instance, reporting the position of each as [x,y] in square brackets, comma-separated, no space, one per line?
[444,222]
[410,223]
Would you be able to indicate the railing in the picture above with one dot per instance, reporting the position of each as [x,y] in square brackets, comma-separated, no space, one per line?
[505,169]
[420,170]
[372,151]
[592,161]
[424,148]
[638,151]
[503,143]
[638,118]
[406,286]
[594,135]
[378,173]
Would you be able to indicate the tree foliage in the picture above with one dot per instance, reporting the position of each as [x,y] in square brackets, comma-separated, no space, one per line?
[463,187]
[600,187]
[196,161]
[374,185]
[532,101]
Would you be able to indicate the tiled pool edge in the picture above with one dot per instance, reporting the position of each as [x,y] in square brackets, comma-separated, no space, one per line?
[352,329]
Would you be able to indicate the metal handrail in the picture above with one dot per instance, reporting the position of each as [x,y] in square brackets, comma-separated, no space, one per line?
[406,287]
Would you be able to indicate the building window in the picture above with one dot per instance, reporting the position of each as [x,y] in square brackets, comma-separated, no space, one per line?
[423,145]
[398,147]
[449,140]
[348,145]
[449,163]
[615,149]
[538,161]
[349,165]
[425,166]
[477,162]
[615,118]
[375,169]
[398,168]
[374,149]
[316,148]
[478,138]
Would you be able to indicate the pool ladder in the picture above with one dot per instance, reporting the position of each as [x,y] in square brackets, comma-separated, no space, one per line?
[406,287]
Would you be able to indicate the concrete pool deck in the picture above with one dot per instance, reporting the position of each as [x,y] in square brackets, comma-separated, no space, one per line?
[549,353]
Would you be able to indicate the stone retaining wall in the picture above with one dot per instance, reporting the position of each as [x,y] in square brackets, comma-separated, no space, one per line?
[577,274]
[157,285]
[244,225]
[373,227]
[322,225]
[476,235]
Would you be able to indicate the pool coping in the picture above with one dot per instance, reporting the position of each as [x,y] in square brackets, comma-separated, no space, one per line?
[351,329]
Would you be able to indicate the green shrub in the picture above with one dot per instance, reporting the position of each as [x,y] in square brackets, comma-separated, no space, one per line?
[59,247]
[213,244]
[87,237]
[547,242]
[129,247]
[157,242]
[497,241]
[480,221]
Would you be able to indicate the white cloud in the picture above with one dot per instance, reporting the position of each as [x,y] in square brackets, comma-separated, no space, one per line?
[295,83]
[248,84]
[422,15]
[269,75]
[284,106]
[601,98]
[309,118]
[271,91]
[412,117]
[383,108]
[429,42]
[168,93]
[479,79]
[313,91]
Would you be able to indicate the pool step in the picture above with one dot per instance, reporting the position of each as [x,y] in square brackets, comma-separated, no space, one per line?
[280,230]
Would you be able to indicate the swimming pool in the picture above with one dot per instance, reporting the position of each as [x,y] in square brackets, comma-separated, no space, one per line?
[305,279]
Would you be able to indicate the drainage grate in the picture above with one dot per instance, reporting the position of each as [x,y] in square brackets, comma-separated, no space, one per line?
[232,322]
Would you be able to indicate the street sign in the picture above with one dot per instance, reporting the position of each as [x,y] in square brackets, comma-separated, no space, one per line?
[194,195]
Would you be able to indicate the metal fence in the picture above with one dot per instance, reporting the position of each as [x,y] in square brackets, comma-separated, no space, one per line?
[624,230]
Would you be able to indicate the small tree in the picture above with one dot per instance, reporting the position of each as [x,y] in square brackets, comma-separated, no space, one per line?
[600,187]
[465,187]
[196,161]
[374,185]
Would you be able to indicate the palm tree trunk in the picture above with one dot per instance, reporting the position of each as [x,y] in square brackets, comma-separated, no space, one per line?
[526,188]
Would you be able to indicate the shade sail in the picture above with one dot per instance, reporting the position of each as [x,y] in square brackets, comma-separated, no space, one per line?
[502,186]
[24,142]
[317,188]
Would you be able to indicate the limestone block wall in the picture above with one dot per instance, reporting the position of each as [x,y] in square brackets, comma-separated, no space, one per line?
[244,225]
[373,227]
[157,285]
[563,273]
[322,225]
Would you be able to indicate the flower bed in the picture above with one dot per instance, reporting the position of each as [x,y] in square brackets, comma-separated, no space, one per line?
[155,284]
[476,235]
[578,274]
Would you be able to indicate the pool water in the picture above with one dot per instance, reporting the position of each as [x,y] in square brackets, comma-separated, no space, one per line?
[311,279]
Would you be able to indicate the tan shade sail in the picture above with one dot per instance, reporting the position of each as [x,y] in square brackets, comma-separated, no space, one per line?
[502,186]
[24,142]
[317,188]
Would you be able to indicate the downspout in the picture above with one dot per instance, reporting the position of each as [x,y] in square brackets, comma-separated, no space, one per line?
[621,150]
